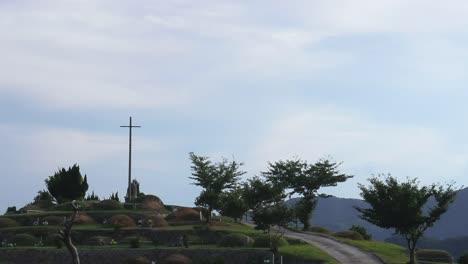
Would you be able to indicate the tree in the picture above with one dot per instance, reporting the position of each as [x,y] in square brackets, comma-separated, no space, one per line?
[269,213]
[92,197]
[305,179]
[400,206]
[115,197]
[303,210]
[67,185]
[43,199]
[232,204]
[273,219]
[214,178]
[65,235]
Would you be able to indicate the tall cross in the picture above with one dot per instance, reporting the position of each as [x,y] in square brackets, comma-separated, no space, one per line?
[129,191]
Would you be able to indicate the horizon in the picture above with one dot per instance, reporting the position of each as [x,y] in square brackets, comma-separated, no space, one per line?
[379,86]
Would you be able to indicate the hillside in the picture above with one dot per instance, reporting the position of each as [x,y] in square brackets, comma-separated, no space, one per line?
[338,214]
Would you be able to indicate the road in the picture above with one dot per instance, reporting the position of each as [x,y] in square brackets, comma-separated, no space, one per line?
[343,253]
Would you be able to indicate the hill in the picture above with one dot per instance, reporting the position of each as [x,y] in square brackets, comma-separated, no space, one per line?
[339,214]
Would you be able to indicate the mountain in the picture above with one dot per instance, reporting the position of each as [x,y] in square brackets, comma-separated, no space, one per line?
[338,214]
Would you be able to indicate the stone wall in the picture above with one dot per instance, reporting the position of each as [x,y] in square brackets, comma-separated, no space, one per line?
[122,255]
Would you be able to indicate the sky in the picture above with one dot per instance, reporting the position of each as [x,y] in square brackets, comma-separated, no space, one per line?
[377,85]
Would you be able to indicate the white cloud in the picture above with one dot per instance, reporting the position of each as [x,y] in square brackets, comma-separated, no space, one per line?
[365,145]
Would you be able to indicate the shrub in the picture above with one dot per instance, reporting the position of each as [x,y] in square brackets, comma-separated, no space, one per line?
[177,259]
[11,210]
[349,235]
[463,259]
[157,220]
[108,205]
[264,241]
[184,214]
[235,240]
[431,255]
[361,230]
[319,229]
[137,260]
[120,221]
[53,240]
[135,242]
[7,222]
[54,220]
[24,240]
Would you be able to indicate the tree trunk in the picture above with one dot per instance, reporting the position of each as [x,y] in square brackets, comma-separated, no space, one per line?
[412,261]
[66,236]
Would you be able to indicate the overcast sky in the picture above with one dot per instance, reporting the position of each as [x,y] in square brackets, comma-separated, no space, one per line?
[378,85]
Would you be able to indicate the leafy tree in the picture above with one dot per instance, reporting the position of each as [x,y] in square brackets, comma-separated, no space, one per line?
[115,197]
[233,204]
[214,178]
[92,197]
[258,192]
[305,179]
[43,199]
[67,185]
[400,206]
[361,230]
[269,212]
[303,210]
[273,219]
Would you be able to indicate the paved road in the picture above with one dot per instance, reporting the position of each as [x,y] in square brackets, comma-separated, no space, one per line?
[344,253]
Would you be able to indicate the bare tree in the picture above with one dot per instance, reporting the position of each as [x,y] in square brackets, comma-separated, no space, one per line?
[65,235]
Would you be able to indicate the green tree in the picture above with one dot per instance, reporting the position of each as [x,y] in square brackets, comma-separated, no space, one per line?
[305,179]
[273,219]
[67,185]
[303,210]
[214,178]
[232,204]
[43,199]
[400,206]
[115,197]
[92,197]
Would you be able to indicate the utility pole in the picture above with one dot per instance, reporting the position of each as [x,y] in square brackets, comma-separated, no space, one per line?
[129,190]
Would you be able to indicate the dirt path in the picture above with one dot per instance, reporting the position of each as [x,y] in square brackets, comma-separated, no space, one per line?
[344,253]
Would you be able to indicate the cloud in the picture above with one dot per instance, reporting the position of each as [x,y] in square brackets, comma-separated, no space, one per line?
[30,154]
[366,146]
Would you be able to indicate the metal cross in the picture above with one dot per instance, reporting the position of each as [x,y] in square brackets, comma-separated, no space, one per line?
[129,191]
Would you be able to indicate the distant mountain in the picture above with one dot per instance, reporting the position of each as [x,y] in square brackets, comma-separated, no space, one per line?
[339,214]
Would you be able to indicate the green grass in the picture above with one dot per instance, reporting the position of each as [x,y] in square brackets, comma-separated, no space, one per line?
[306,252]
[390,253]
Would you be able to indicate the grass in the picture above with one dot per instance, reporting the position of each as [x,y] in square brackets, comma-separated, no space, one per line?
[390,253]
[306,252]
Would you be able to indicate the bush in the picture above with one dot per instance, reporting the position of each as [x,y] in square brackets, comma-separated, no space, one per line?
[150,202]
[54,220]
[11,210]
[431,255]
[53,241]
[119,221]
[184,214]
[463,259]
[264,241]
[177,259]
[319,229]
[137,260]
[349,235]
[235,240]
[24,240]
[108,205]
[361,230]
[7,222]
[135,242]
